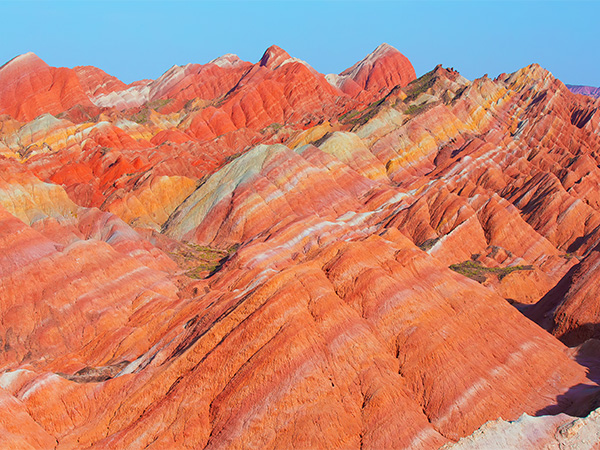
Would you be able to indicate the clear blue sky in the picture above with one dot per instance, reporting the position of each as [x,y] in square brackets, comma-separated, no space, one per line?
[142,39]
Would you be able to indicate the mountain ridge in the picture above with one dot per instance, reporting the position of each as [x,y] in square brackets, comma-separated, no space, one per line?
[246,255]
[110,86]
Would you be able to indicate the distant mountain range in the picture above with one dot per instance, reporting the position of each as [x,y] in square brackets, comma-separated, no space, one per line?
[585,90]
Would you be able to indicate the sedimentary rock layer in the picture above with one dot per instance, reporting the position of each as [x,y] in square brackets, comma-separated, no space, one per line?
[242,255]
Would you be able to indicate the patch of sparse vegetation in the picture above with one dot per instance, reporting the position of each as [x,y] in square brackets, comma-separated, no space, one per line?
[478,272]
[459,93]
[199,272]
[413,110]
[158,104]
[95,374]
[359,118]
[189,104]
[419,86]
[570,256]
[233,157]
[321,140]
[349,115]
[143,115]
[429,243]
[273,127]
[200,261]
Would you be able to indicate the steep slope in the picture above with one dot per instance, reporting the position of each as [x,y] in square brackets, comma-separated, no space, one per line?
[96,82]
[376,74]
[570,310]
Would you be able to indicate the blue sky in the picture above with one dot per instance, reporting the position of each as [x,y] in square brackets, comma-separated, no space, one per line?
[142,39]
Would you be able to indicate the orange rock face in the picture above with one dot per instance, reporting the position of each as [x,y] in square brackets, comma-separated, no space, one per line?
[242,255]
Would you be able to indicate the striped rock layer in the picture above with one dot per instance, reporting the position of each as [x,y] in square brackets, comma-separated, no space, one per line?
[242,255]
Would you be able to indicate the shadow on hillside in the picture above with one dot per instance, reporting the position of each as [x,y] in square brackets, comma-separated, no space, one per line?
[541,312]
[588,355]
[581,334]
[582,398]
[578,401]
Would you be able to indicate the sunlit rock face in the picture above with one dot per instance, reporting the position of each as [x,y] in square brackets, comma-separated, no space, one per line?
[240,255]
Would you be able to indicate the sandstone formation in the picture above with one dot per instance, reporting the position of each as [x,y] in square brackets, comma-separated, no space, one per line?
[240,255]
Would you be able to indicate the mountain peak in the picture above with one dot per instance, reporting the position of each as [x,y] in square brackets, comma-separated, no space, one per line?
[371,59]
[384,48]
[531,73]
[26,60]
[274,57]
[383,68]
[227,61]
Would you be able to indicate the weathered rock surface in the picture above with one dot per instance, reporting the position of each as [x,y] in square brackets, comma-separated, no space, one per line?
[535,433]
[242,255]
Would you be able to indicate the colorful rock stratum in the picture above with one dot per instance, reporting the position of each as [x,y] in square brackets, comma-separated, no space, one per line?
[260,256]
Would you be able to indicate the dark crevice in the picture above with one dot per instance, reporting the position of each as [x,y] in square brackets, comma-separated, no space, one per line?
[580,117]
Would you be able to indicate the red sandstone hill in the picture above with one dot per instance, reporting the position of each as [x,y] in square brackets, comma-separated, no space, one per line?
[241,255]
[29,87]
